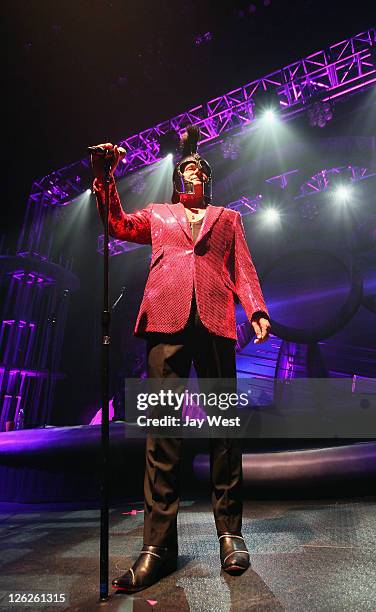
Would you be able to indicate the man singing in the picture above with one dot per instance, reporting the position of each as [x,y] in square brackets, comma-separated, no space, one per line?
[200,262]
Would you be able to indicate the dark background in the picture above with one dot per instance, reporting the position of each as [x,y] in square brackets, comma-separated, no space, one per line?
[98,70]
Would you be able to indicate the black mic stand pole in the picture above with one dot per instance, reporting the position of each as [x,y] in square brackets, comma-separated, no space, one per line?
[104,526]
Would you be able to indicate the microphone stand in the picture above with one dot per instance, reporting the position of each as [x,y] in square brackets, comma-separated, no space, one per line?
[120,297]
[106,320]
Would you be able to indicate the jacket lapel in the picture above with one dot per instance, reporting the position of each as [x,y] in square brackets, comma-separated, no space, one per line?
[179,213]
[211,216]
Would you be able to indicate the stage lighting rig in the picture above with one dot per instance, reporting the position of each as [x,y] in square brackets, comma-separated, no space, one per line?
[230,148]
[308,210]
[319,112]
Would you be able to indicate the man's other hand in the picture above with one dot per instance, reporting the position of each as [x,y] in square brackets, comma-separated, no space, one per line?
[261,328]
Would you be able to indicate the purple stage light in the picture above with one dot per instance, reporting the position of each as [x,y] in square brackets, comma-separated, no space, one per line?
[201,39]
[32,278]
[31,373]
[117,247]
[97,418]
[35,254]
[20,323]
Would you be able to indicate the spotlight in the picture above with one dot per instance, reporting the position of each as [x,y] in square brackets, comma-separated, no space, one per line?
[169,156]
[319,114]
[269,115]
[266,105]
[271,216]
[342,194]
[88,191]
[318,111]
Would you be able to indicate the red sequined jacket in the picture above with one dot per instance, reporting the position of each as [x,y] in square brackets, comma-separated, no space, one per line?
[217,266]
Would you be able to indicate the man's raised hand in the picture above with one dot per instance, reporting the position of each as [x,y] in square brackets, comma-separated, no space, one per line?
[115,154]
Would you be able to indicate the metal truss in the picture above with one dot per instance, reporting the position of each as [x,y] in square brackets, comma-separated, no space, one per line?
[324,179]
[248,205]
[336,71]
[331,73]
[281,180]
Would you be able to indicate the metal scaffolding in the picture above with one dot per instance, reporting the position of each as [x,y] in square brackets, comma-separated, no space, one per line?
[331,73]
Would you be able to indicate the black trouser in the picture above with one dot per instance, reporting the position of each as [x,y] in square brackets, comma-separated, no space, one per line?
[171,356]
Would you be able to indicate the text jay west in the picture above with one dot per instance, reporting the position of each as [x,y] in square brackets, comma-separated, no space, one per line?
[173,421]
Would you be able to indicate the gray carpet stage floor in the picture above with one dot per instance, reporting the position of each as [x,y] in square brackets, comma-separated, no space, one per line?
[305,555]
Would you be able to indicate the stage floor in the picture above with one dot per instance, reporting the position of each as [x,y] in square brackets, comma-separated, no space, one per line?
[305,555]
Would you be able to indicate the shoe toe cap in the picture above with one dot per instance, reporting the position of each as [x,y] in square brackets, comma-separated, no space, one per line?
[123,581]
[237,564]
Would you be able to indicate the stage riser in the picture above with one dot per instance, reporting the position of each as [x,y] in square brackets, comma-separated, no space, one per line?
[64,467]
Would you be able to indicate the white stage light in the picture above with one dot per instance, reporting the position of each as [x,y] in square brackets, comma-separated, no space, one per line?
[343,193]
[269,116]
[271,215]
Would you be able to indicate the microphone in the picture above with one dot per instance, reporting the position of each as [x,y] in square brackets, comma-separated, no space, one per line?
[101,151]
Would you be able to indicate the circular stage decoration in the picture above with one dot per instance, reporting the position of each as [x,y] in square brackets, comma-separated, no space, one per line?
[331,470]
[311,294]
[55,465]
[369,275]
